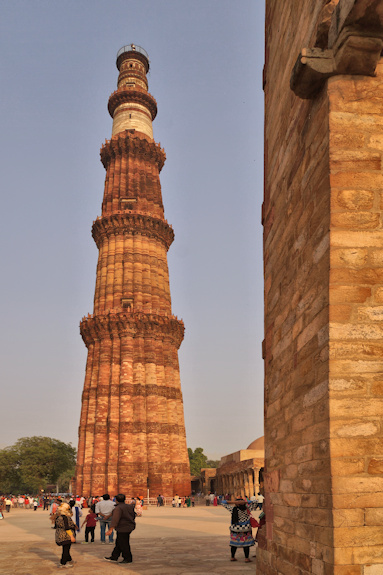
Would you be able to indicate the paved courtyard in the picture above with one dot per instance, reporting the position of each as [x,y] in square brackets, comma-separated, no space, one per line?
[167,541]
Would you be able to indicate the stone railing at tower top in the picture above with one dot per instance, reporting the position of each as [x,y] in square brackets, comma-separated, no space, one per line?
[132,48]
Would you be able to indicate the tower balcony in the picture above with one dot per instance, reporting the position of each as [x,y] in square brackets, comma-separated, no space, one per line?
[132,51]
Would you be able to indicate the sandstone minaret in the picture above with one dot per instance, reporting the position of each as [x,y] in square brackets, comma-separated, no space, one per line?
[132,431]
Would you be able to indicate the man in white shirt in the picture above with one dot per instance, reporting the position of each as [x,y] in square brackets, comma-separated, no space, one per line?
[260,500]
[104,509]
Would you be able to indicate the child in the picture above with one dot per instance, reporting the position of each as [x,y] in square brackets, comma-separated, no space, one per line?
[90,521]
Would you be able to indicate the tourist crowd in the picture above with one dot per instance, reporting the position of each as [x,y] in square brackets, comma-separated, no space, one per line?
[114,514]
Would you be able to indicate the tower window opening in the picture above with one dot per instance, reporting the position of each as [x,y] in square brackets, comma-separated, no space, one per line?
[127,302]
[128,203]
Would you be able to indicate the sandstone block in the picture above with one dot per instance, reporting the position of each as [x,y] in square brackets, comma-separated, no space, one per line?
[350,140]
[318,517]
[378,295]
[354,122]
[317,567]
[353,199]
[315,433]
[312,329]
[375,466]
[356,350]
[370,313]
[354,428]
[373,569]
[368,554]
[350,160]
[355,331]
[340,313]
[377,388]
[347,570]
[324,535]
[345,467]
[365,276]
[376,257]
[357,180]
[358,485]
[353,536]
[355,447]
[375,141]
[353,386]
[356,239]
[350,257]
[284,524]
[348,517]
[351,95]
[343,555]
[343,367]
[348,406]
[303,453]
[374,516]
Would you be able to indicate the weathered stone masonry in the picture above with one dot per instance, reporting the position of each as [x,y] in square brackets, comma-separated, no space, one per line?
[132,432]
[323,266]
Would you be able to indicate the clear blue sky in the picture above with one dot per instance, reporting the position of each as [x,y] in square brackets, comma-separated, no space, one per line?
[57,65]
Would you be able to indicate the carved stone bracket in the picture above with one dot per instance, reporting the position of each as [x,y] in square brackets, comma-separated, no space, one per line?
[127,223]
[355,46]
[132,324]
[139,96]
[133,145]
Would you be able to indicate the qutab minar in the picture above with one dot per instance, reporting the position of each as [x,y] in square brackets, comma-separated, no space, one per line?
[132,430]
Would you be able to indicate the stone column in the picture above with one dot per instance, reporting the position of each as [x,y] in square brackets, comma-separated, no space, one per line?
[232,486]
[251,483]
[242,483]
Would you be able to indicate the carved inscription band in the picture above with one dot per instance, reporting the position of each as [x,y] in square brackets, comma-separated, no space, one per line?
[132,390]
[136,427]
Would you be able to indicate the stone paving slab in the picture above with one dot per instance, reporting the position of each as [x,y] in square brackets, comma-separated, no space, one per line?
[166,541]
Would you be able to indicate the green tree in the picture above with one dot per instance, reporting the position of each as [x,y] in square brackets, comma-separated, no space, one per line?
[64,479]
[33,462]
[199,460]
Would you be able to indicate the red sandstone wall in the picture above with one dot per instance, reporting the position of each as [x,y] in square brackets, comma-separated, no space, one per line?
[296,217]
[323,309]
[356,315]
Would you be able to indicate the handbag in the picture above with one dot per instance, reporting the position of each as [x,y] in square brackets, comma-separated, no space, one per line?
[72,537]
[68,531]
[253,521]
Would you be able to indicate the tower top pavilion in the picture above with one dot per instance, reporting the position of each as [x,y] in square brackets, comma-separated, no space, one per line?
[131,106]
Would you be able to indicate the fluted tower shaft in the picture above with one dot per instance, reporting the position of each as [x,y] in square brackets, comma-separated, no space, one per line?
[132,431]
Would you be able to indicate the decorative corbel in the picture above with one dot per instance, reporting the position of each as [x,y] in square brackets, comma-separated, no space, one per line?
[355,47]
